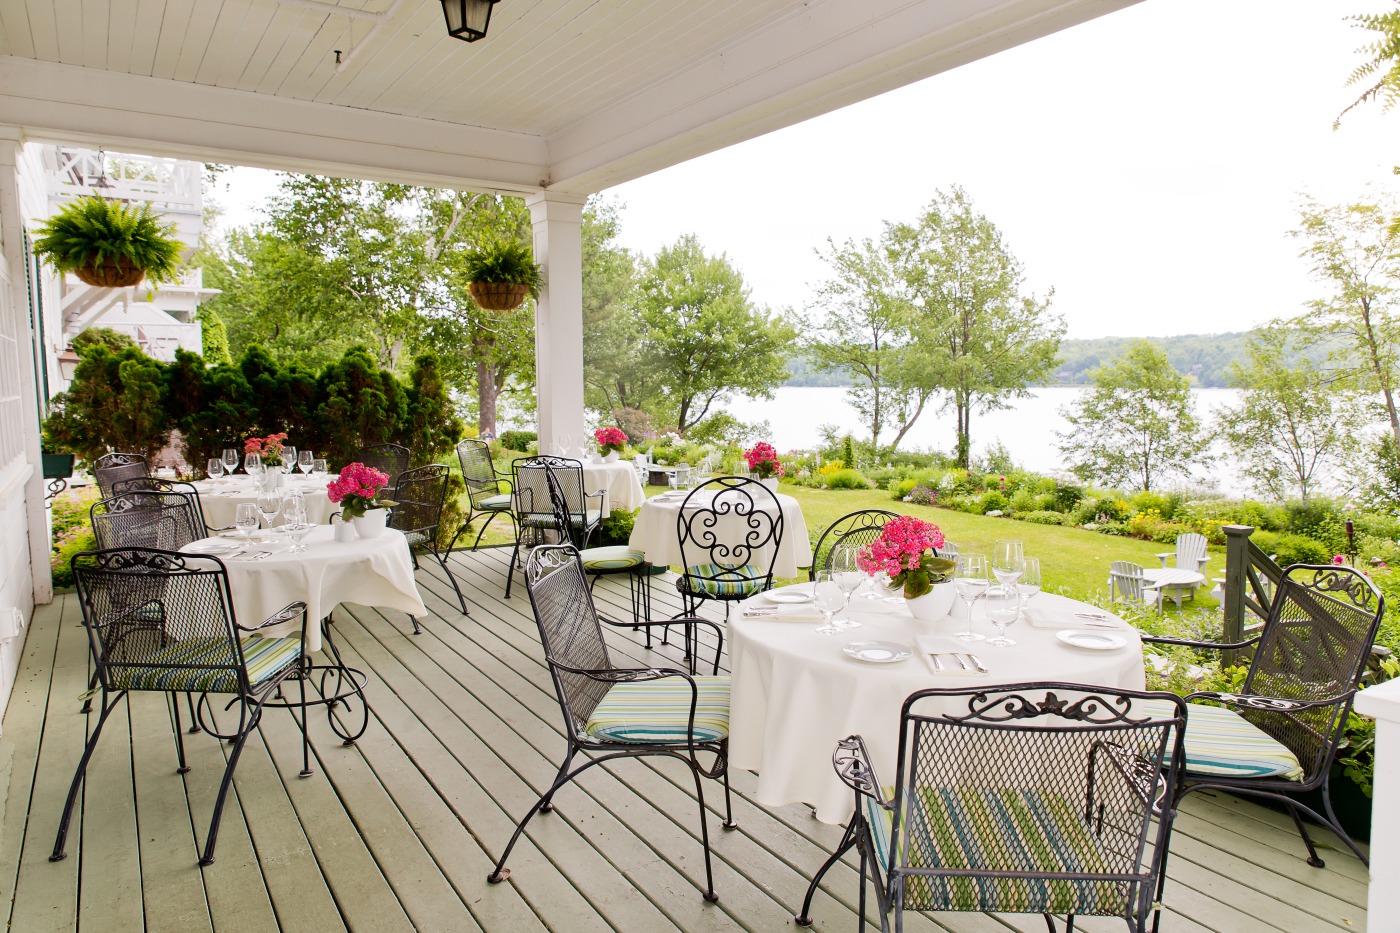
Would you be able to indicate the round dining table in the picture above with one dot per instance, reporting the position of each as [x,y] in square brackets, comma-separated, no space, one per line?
[220,498]
[618,482]
[795,693]
[655,535]
[266,576]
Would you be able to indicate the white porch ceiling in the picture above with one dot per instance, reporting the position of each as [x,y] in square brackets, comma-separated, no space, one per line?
[573,95]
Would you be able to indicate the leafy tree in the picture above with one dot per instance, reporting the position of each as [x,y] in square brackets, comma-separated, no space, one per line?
[700,331]
[1136,425]
[213,337]
[1292,430]
[116,402]
[614,375]
[979,338]
[1356,250]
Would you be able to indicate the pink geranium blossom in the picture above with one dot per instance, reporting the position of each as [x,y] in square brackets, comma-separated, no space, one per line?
[905,550]
[763,459]
[609,439]
[268,448]
[355,488]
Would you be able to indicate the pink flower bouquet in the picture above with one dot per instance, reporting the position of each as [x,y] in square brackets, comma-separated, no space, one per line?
[763,460]
[609,439]
[907,551]
[269,448]
[354,490]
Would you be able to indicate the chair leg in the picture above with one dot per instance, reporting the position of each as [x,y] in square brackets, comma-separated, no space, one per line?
[510,571]
[500,872]
[305,736]
[107,706]
[805,917]
[213,837]
[173,703]
[194,716]
[461,600]
[710,894]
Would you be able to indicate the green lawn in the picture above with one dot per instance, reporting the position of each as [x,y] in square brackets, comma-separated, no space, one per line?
[1072,561]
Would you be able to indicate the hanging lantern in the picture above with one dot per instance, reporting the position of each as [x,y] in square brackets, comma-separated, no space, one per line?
[467,19]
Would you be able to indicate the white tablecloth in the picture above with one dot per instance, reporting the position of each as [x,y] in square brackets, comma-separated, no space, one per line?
[655,534]
[618,480]
[219,498]
[368,571]
[795,694]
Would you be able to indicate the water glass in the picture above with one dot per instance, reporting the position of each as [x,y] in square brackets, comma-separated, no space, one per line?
[305,461]
[1029,584]
[970,582]
[829,599]
[318,467]
[1008,562]
[245,519]
[1003,606]
[252,464]
[269,504]
[216,468]
[230,460]
[849,577]
[294,519]
[289,458]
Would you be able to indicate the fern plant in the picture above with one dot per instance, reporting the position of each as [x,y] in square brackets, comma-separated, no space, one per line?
[93,231]
[503,261]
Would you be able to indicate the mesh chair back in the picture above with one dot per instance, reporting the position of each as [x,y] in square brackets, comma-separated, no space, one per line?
[1314,646]
[532,500]
[156,484]
[386,458]
[478,472]
[164,521]
[855,529]
[110,469]
[152,611]
[569,629]
[419,495]
[731,523]
[1056,781]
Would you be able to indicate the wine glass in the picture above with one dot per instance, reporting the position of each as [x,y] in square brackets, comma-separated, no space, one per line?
[294,518]
[849,577]
[1003,606]
[829,598]
[883,581]
[269,504]
[318,467]
[231,460]
[970,581]
[245,519]
[216,468]
[566,443]
[1029,584]
[306,462]
[289,458]
[252,464]
[1008,562]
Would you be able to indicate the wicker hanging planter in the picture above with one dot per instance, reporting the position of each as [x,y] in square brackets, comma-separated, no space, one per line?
[499,296]
[118,273]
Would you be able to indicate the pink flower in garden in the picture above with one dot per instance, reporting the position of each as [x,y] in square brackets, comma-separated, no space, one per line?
[610,439]
[1338,559]
[902,544]
[763,459]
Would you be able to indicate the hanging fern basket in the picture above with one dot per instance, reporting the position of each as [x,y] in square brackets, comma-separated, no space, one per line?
[115,273]
[499,296]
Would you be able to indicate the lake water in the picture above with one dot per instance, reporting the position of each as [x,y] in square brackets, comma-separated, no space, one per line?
[1027,429]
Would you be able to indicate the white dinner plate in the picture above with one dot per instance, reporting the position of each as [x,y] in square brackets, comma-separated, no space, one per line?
[214,546]
[878,652]
[1094,641]
[787,596]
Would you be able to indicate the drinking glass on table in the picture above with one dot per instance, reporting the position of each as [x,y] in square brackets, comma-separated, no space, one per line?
[269,504]
[1008,562]
[970,582]
[1003,606]
[230,460]
[294,518]
[318,467]
[289,458]
[245,519]
[216,468]
[1029,584]
[849,577]
[252,464]
[829,598]
[306,461]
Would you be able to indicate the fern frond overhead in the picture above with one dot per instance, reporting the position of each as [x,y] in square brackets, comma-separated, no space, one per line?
[1383,67]
[93,230]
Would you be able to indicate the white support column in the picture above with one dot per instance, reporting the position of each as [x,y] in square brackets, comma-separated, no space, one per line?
[1382,703]
[558,222]
[13,280]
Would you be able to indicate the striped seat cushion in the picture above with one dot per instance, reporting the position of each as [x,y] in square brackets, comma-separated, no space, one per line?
[722,580]
[546,520]
[659,710]
[1222,743]
[210,660]
[1001,829]
[620,557]
[499,503]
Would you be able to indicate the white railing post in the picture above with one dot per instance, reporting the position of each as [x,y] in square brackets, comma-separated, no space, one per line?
[1382,703]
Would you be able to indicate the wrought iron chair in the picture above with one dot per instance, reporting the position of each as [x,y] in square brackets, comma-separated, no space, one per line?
[484,489]
[1126,582]
[1027,798]
[617,712]
[157,484]
[391,459]
[417,510]
[110,469]
[604,561]
[1278,736]
[729,531]
[855,529]
[534,513]
[147,518]
[163,621]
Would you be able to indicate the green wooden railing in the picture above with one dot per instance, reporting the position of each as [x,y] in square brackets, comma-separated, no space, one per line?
[1250,578]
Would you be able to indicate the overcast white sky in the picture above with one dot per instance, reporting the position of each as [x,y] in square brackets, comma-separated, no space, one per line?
[1147,165]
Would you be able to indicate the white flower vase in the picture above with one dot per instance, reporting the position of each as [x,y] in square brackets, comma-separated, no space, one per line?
[611,456]
[771,482]
[933,605]
[372,523]
[275,478]
[344,531]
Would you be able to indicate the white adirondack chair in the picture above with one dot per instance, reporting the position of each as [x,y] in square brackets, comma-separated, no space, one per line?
[1190,554]
[1126,582]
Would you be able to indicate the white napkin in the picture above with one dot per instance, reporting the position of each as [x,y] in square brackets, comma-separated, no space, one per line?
[929,645]
[1062,617]
[771,613]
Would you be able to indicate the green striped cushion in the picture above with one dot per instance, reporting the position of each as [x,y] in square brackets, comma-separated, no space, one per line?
[499,503]
[211,661]
[1223,743]
[659,710]
[546,520]
[1000,829]
[619,557]
[723,579]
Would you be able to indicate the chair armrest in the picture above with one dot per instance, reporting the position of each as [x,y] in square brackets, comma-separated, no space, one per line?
[1268,704]
[1201,564]
[287,613]
[1209,645]
[219,530]
[852,763]
[1164,555]
[625,675]
[683,620]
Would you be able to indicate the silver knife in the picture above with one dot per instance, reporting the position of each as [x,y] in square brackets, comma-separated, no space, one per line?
[981,668]
[962,661]
[937,663]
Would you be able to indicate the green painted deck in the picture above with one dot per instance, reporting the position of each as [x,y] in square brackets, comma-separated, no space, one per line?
[398,832]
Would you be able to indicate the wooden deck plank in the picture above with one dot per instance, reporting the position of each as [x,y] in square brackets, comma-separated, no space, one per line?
[110,849]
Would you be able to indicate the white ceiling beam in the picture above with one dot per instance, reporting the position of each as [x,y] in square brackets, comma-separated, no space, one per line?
[65,103]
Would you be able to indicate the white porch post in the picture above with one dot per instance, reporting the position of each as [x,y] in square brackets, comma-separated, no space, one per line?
[1382,702]
[558,222]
